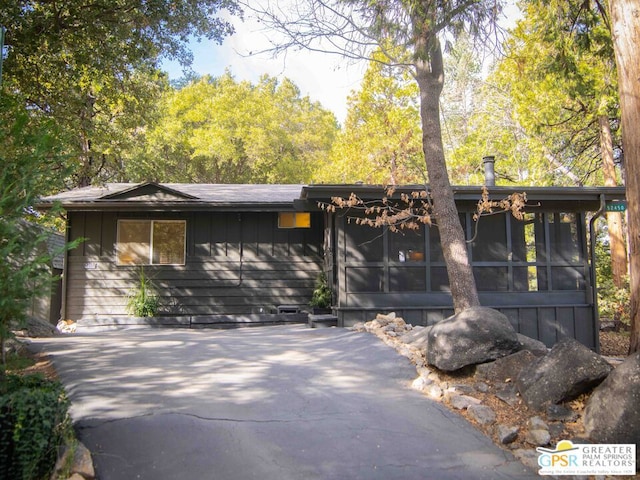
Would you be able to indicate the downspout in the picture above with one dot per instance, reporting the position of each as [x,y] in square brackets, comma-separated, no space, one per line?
[65,270]
[594,287]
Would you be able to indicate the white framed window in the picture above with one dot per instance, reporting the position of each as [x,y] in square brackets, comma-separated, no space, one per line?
[151,242]
[294,220]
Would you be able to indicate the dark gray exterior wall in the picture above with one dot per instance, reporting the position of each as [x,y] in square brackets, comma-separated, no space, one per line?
[236,263]
[543,287]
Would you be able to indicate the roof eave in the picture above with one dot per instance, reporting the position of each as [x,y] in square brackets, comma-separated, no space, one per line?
[106,205]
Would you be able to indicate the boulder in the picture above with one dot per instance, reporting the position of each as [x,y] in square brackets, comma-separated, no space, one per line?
[560,413]
[414,333]
[612,414]
[537,423]
[385,319]
[534,346]
[538,437]
[433,391]
[476,335]
[36,327]
[82,461]
[506,368]
[567,371]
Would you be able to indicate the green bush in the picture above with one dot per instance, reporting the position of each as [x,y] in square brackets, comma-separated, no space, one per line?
[143,301]
[321,297]
[33,422]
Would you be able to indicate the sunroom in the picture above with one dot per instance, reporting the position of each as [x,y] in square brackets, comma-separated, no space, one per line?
[536,270]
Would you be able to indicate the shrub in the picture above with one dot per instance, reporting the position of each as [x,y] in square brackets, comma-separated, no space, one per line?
[143,301]
[33,422]
[321,297]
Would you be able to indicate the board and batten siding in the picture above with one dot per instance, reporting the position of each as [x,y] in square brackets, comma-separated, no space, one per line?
[236,263]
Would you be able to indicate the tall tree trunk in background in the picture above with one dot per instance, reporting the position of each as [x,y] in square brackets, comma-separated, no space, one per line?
[614,219]
[430,78]
[625,29]
[86,171]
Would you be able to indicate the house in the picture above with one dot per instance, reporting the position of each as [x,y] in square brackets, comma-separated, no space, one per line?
[226,254]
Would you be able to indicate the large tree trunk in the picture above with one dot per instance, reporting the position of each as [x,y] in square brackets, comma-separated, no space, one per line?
[430,78]
[625,25]
[614,219]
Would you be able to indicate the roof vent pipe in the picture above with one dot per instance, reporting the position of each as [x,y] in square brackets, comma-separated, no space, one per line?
[489,172]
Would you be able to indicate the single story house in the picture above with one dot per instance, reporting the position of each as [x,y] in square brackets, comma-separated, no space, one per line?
[232,253]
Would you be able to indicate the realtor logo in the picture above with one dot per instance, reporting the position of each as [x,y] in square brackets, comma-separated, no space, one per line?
[584,459]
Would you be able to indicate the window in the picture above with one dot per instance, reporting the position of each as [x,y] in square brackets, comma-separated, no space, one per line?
[294,220]
[151,242]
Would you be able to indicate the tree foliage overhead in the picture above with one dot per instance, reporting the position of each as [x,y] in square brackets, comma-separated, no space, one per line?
[57,45]
[561,66]
[542,108]
[380,141]
[85,63]
[218,130]
[463,69]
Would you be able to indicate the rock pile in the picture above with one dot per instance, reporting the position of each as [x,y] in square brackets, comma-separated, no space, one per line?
[512,387]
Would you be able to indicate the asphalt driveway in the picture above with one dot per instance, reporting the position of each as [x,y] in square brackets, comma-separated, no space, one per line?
[270,403]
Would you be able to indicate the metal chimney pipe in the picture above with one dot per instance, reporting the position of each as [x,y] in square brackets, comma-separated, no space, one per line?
[489,172]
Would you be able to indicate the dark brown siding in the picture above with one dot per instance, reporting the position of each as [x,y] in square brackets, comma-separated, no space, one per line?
[236,263]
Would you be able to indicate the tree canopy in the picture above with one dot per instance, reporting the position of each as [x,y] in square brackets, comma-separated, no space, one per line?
[380,141]
[218,130]
[85,63]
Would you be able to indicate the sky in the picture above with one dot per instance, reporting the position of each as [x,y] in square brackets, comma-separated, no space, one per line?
[325,78]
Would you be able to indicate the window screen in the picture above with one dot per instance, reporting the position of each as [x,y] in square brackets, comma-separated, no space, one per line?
[490,244]
[363,242]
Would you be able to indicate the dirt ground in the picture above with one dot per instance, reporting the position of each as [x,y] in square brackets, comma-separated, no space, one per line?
[614,344]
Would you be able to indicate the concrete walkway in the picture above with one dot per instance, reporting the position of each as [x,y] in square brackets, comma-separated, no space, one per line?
[267,403]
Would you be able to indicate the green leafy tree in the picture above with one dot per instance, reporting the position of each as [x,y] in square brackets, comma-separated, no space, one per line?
[29,164]
[561,66]
[218,130]
[381,140]
[82,63]
[496,128]
[560,62]
[554,95]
